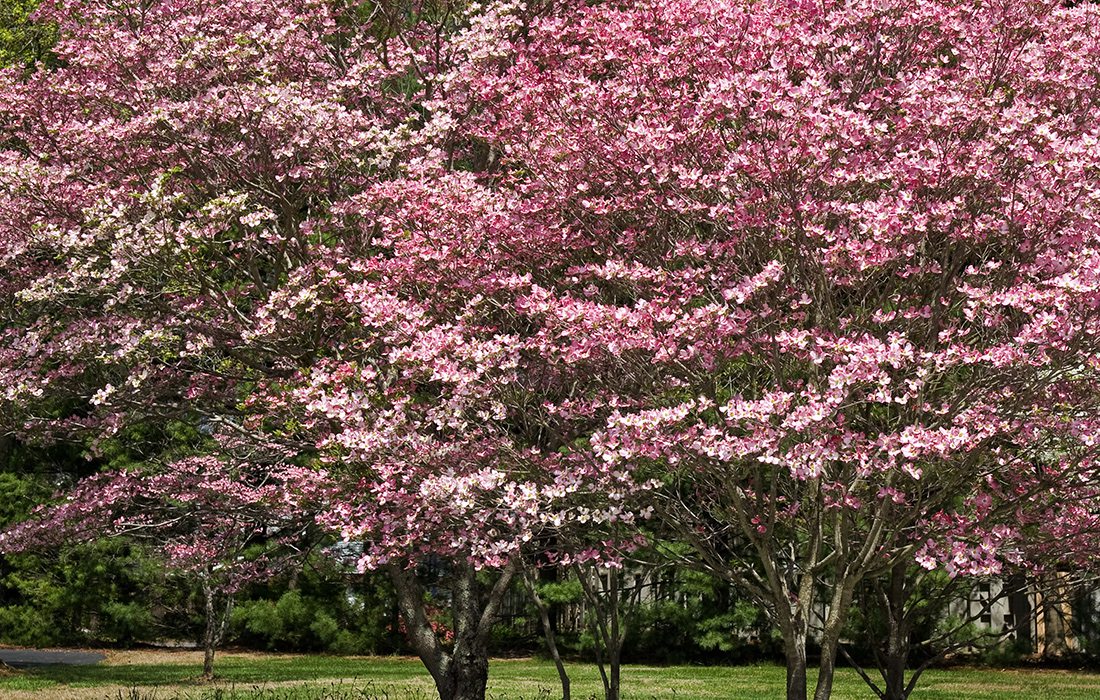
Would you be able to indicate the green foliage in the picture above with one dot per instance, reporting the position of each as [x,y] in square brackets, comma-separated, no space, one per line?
[23,42]
[315,610]
[262,618]
[687,617]
[27,626]
[699,618]
[663,631]
[723,632]
[126,622]
[141,443]
[561,592]
[1006,652]
[84,592]
[81,592]
[291,622]
[18,494]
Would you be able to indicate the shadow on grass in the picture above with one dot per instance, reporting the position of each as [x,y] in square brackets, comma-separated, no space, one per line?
[230,670]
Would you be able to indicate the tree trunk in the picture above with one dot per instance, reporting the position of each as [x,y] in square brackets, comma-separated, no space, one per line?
[615,668]
[470,670]
[793,622]
[792,615]
[615,647]
[216,624]
[826,669]
[464,673]
[548,632]
[896,687]
[470,659]
[209,635]
[609,627]
[897,634]
[830,637]
[794,643]
[208,662]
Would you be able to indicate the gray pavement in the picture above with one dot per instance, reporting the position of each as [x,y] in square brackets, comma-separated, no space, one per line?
[44,657]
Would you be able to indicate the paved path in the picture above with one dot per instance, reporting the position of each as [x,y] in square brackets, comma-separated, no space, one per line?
[42,657]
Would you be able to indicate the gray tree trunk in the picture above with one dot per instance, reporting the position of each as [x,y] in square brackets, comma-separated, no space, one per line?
[463,673]
[548,632]
[215,625]
[794,646]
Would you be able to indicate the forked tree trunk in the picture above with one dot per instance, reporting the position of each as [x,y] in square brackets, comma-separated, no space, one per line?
[893,650]
[792,614]
[463,673]
[609,626]
[896,687]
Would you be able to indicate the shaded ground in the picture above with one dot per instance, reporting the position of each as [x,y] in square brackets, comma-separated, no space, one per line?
[21,658]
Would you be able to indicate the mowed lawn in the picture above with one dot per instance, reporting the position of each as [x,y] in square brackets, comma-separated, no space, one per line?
[152,675]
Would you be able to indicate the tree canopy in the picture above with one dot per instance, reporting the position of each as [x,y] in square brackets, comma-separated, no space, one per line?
[813,286]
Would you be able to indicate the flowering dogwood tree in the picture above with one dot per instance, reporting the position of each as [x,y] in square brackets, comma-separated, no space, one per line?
[813,282]
[206,214]
[262,219]
[215,524]
[832,273]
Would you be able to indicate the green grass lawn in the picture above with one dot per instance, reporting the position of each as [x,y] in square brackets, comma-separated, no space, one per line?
[163,676]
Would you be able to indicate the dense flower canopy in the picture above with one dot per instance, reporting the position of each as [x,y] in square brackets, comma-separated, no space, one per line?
[215,186]
[853,242]
[201,514]
[817,284]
